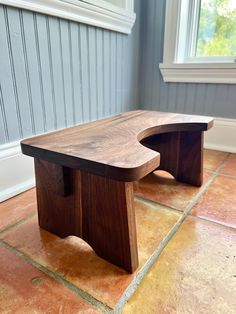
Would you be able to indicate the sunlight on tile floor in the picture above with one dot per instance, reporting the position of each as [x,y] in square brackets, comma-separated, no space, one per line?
[187,253]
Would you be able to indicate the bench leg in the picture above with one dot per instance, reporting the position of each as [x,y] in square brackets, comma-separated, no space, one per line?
[181,154]
[109,221]
[94,208]
[58,198]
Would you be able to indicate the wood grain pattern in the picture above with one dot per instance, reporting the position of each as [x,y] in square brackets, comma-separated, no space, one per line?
[190,159]
[109,220]
[111,147]
[58,213]
[83,174]
[98,210]
[181,154]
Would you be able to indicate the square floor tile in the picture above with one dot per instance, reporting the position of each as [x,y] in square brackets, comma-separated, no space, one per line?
[195,273]
[153,224]
[24,289]
[213,159]
[218,203]
[230,166]
[17,208]
[162,188]
[75,260]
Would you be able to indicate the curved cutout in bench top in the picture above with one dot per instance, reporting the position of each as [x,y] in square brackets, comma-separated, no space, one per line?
[111,147]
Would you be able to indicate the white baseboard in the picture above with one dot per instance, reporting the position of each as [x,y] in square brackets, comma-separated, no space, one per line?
[17,170]
[222,136]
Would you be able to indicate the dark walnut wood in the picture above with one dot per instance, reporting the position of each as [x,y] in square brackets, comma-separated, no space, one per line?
[84,174]
[181,154]
[58,213]
[98,210]
[108,219]
[111,147]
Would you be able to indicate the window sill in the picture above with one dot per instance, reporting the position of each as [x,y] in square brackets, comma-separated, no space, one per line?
[219,73]
[108,16]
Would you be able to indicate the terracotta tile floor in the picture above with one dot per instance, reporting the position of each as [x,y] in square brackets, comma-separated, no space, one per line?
[187,253]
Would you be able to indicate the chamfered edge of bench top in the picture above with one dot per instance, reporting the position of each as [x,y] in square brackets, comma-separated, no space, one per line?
[111,147]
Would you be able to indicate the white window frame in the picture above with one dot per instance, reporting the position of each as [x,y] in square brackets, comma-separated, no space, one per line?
[117,16]
[176,67]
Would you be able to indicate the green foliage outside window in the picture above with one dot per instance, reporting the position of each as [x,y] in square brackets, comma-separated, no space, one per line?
[217,28]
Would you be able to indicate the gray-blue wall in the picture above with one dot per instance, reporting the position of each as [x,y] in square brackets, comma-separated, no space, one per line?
[211,99]
[55,73]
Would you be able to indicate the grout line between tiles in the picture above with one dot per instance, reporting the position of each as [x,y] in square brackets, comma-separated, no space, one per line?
[143,271]
[18,223]
[222,163]
[105,308]
[218,224]
[175,210]
[204,187]
[199,193]
[169,208]
[224,175]
[155,204]
[208,169]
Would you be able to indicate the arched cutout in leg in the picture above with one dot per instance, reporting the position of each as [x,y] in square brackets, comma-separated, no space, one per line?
[181,154]
[109,220]
[97,209]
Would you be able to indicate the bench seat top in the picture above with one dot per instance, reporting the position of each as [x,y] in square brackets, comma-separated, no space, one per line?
[111,147]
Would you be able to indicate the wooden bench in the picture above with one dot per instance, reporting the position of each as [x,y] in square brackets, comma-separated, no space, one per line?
[84,174]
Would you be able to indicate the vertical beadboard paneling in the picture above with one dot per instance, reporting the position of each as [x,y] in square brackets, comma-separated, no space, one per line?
[207,99]
[126,69]
[231,101]
[113,73]
[123,70]
[44,68]
[153,54]
[9,107]
[221,100]
[134,57]
[119,73]
[33,72]
[26,63]
[65,66]
[3,123]
[106,69]
[149,57]
[83,44]
[92,72]
[19,75]
[71,75]
[172,97]
[99,72]
[55,73]
[76,72]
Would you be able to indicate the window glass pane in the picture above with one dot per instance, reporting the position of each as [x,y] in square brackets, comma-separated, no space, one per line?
[217,28]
